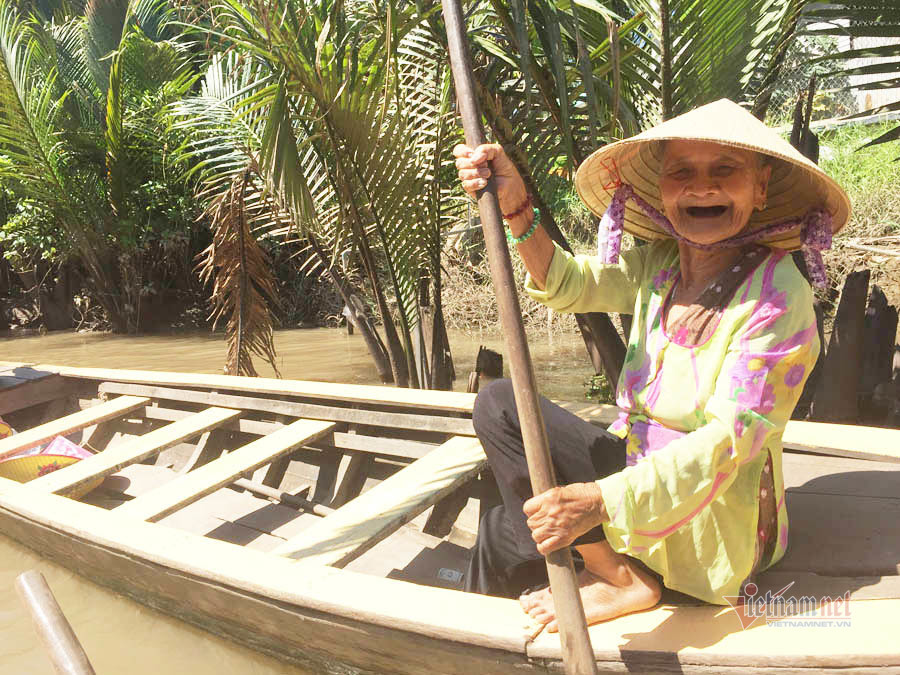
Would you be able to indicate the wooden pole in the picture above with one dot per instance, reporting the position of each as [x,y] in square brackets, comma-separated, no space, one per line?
[578,654]
[64,650]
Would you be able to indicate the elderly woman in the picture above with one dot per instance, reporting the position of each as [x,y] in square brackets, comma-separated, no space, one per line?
[686,486]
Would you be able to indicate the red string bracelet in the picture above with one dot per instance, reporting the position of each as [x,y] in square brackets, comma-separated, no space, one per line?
[519,211]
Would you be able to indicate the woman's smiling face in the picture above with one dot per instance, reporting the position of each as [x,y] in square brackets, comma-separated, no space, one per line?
[709,191]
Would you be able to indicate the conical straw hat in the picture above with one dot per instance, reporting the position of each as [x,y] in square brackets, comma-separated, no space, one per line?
[796,186]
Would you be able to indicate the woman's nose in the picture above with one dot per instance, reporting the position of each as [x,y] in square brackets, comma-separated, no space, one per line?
[702,184]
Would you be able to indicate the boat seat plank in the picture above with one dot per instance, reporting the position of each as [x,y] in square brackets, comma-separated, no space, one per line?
[437,422]
[840,476]
[449,401]
[208,478]
[64,426]
[360,524]
[840,535]
[141,448]
[844,440]
[389,447]
[377,445]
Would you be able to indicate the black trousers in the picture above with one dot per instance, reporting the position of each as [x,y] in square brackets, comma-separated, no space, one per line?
[506,561]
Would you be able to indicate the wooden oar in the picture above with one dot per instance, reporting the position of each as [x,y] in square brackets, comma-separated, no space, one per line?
[54,630]
[576,643]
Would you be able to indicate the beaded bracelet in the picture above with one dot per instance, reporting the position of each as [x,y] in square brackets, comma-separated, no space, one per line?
[519,211]
[525,237]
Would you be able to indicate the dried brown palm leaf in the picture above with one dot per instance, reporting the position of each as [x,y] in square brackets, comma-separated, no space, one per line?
[243,283]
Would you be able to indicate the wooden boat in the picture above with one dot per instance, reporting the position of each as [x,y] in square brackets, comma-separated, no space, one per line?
[329,525]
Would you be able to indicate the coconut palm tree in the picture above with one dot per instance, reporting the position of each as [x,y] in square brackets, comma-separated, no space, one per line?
[344,125]
[78,95]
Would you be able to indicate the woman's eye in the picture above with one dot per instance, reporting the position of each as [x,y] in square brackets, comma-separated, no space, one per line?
[724,170]
[680,174]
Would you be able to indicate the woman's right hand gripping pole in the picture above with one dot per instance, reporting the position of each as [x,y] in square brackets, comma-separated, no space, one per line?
[475,167]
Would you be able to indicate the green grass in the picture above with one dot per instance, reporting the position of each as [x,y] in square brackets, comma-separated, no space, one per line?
[871,177]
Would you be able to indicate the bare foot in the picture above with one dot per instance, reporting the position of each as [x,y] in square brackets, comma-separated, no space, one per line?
[633,591]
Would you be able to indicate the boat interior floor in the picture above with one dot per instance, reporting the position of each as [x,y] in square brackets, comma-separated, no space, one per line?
[238,517]
[855,549]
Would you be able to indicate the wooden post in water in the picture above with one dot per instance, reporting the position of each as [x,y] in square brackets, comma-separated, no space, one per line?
[51,625]
[578,654]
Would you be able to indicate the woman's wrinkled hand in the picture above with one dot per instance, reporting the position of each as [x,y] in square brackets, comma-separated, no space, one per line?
[560,515]
[474,169]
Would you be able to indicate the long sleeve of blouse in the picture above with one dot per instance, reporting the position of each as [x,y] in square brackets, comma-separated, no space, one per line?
[714,408]
[579,283]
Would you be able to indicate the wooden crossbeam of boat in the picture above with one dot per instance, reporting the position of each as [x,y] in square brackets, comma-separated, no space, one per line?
[376,445]
[422,422]
[368,443]
[144,447]
[70,424]
[194,485]
[843,440]
[165,414]
[380,446]
[360,524]
[444,401]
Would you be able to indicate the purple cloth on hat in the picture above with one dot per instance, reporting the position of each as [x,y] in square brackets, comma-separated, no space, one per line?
[815,233]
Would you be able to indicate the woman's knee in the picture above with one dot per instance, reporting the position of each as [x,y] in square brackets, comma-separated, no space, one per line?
[491,403]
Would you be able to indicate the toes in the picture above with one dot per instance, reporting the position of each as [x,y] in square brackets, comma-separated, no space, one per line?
[552,627]
[527,601]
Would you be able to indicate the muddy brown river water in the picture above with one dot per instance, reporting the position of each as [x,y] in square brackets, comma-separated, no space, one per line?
[121,636]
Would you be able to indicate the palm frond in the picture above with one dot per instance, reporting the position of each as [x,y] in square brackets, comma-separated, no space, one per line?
[243,284]
[716,48]
[103,29]
[30,103]
[865,24]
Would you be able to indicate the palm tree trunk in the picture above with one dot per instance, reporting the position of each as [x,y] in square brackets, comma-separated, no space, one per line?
[343,181]
[399,365]
[373,342]
[665,44]
[442,374]
[107,289]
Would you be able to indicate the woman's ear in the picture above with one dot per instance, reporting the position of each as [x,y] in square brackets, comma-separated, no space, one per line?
[763,174]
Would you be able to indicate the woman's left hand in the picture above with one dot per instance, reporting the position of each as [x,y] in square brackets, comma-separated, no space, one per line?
[560,515]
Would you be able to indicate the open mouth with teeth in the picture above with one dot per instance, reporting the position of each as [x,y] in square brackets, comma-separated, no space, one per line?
[706,211]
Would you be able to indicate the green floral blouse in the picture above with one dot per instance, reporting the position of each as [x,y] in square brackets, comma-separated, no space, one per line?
[704,404]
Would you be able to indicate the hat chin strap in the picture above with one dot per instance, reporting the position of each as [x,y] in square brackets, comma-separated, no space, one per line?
[815,233]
